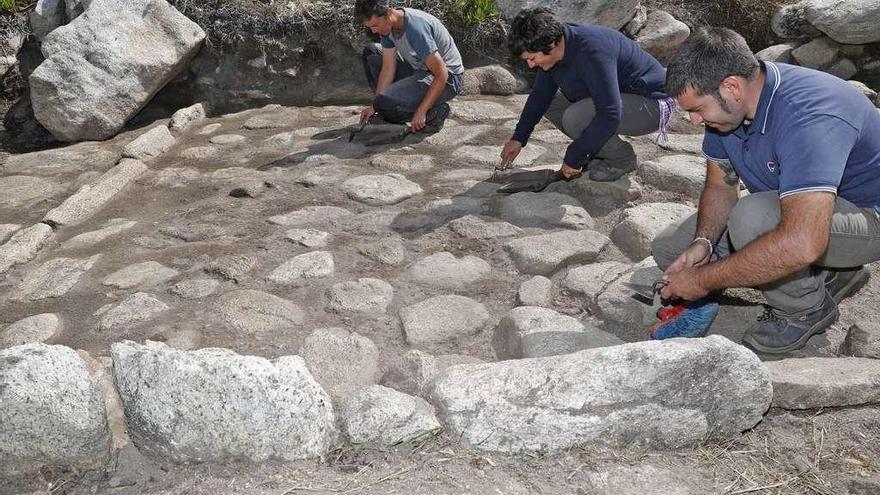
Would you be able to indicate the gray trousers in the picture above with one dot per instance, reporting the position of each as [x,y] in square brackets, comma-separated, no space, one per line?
[398,102]
[640,116]
[854,241]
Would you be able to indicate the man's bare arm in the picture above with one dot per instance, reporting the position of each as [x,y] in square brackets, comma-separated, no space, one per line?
[716,202]
[438,68]
[389,66]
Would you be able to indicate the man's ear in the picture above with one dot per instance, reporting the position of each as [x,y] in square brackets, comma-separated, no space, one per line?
[732,85]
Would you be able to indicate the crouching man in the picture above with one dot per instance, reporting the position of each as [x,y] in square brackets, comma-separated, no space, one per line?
[417,70]
[807,147]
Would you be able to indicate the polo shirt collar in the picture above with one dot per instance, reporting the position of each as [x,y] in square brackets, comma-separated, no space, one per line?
[772,80]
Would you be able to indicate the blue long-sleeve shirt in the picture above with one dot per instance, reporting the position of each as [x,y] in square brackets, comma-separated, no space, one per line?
[598,63]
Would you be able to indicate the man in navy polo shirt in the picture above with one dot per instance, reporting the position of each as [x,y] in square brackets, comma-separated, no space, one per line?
[606,84]
[807,147]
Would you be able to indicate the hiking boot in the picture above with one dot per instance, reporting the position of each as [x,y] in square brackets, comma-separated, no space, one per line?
[435,118]
[616,158]
[844,283]
[777,334]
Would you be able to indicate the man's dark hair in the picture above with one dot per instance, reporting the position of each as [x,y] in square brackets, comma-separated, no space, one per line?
[365,9]
[708,56]
[534,30]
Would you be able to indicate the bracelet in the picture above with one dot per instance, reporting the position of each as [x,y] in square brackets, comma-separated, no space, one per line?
[708,242]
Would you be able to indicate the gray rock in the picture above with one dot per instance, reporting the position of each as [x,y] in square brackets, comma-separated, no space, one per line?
[544,254]
[386,251]
[790,22]
[444,270]
[442,318]
[683,143]
[58,419]
[91,198]
[662,35]
[188,117]
[150,144]
[226,139]
[324,175]
[380,417]
[479,111]
[536,291]
[863,340]
[448,360]
[483,228]
[256,312]
[380,190]
[305,266]
[853,22]
[816,383]
[111,228]
[175,177]
[262,122]
[591,280]
[53,278]
[617,302]
[6,231]
[310,215]
[457,135]
[270,409]
[340,361]
[136,308]
[682,174]
[491,155]
[843,68]
[609,13]
[411,373]
[232,266]
[61,161]
[144,274]
[103,67]
[366,295]
[404,163]
[200,152]
[600,397]
[817,53]
[209,129]
[24,191]
[196,288]
[544,210]
[47,16]
[607,195]
[640,224]
[777,53]
[310,238]
[282,140]
[33,329]
[492,80]
[870,93]
[632,28]
[23,246]
[531,332]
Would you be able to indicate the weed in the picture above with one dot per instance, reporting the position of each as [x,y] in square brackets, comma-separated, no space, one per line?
[473,12]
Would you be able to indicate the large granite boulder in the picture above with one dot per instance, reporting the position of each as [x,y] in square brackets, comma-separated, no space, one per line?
[661,394]
[106,64]
[609,13]
[854,22]
[216,405]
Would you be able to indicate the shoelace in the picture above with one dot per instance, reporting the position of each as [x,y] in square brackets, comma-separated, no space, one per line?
[769,315]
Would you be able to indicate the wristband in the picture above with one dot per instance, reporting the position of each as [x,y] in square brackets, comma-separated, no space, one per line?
[708,242]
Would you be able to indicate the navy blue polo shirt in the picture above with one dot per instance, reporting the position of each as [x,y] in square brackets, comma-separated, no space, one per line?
[598,63]
[812,132]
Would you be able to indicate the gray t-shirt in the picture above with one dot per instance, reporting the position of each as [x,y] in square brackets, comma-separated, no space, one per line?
[424,34]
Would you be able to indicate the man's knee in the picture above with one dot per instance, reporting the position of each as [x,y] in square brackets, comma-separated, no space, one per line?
[390,109]
[574,121]
[752,217]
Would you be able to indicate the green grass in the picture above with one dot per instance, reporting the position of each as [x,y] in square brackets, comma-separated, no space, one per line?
[7,5]
[473,12]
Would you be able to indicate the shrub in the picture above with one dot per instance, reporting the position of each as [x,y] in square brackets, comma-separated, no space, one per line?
[472,12]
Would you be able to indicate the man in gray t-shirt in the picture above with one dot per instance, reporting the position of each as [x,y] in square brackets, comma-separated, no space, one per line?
[417,70]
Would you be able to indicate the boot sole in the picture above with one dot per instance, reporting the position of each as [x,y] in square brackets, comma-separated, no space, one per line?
[853,286]
[816,329]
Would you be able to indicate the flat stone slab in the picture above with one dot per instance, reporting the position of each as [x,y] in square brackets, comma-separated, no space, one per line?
[200,152]
[404,163]
[366,295]
[444,270]
[816,383]
[53,278]
[442,318]
[457,135]
[380,417]
[617,303]
[386,251]
[23,190]
[544,254]
[685,143]
[591,280]
[491,155]
[380,190]
[480,111]
[195,288]
[601,397]
[209,129]
[536,291]
[136,308]
[310,215]
[111,228]
[483,228]
[58,419]
[530,332]
[305,266]
[146,274]
[23,246]
[150,144]
[231,266]
[270,409]
[91,198]
[33,329]
[255,312]
[641,224]
[683,174]
[6,231]
[340,361]
[224,139]
[544,210]
[311,238]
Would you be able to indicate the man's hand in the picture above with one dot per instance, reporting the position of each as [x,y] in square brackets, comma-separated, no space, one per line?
[685,284]
[418,120]
[569,172]
[366,114]
[697,254]
[510,151]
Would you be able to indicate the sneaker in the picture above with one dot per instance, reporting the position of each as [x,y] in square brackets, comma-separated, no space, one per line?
[844,283]
[436,118]
[778,334]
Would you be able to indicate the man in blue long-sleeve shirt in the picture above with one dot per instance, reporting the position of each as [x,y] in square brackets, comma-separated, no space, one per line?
[608,86]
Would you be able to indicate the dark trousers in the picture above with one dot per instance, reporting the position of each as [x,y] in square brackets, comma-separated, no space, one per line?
[398,102]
